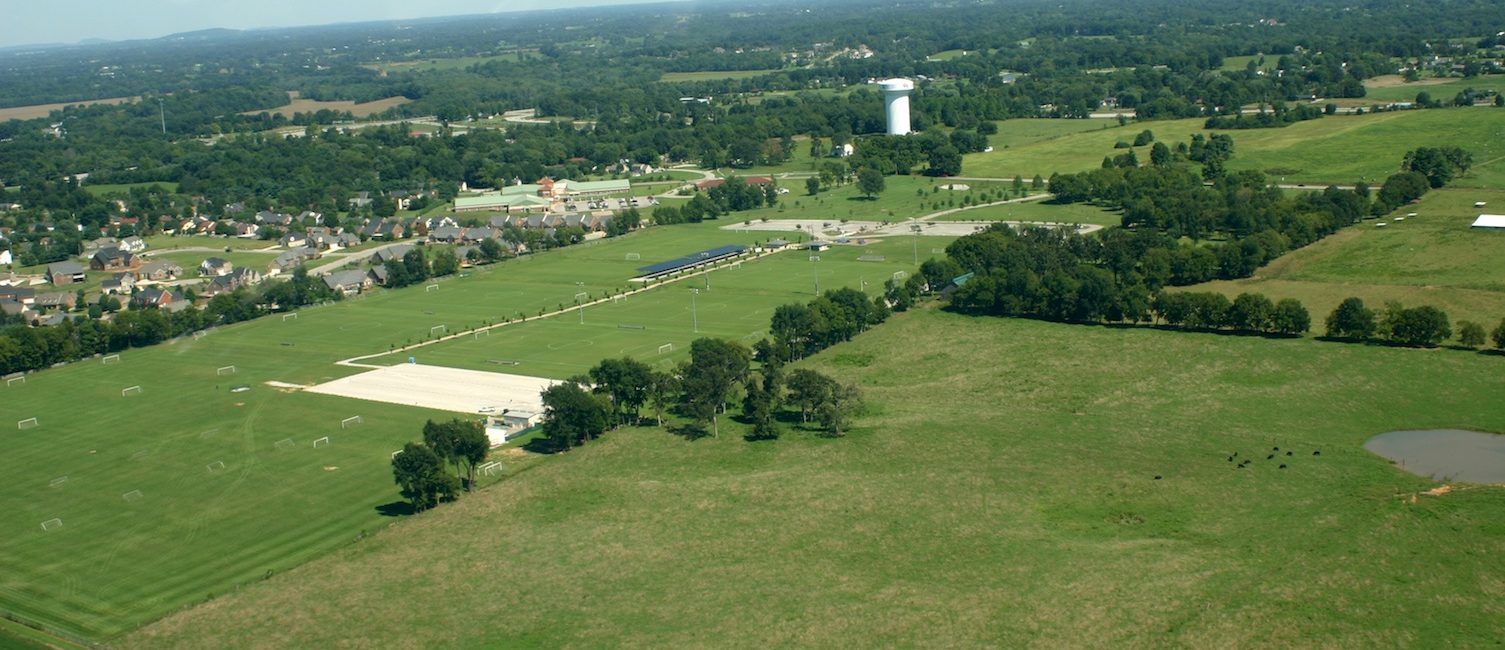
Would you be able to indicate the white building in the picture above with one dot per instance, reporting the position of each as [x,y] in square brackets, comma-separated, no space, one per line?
[896,104]
[1490,221]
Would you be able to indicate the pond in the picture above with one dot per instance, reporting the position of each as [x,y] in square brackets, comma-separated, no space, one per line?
[1445,454]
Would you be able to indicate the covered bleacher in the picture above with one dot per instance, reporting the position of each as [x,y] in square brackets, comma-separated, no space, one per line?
[688,263]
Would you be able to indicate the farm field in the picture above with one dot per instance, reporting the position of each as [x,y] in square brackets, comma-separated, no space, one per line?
[1341,149]
[300,105]
[1433,258]
[1055,527]
[1014,133]
[712,75]
[904,197]
[43,110]
[1394,89]
[150,522]
[453,63]
[1039,211]
[105,189]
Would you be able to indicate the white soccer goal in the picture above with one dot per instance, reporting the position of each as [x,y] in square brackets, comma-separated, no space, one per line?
[395,453]
[57,482]
[351,421]
[28,423]
[937,251]
[109,359]
[666,348]
[582,297]
[224,370]
[52,524]
[900,275]
[321,442]
[814,258]
[132,496]
[737,264]
[285,443]
[140,454]
[15,380]
[432,287]
[292,316]
[490,468]
[633,257]
[616,298]
[130,390]
[215,466]
[481,333]
[200,334]
[438,329]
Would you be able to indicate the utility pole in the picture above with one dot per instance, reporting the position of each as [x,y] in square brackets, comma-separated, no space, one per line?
[694,318]
[162,110]
[816,267]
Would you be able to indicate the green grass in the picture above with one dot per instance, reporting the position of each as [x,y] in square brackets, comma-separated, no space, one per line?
[1241,63]
[900,200]
[1014,133]
[948,55]
[454,63]
[999,491]
[1443,91]
[1433,258]
[116,564]
[1039,211]
[106,189]
[712,75]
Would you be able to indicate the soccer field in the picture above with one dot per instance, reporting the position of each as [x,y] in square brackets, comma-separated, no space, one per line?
[159,499]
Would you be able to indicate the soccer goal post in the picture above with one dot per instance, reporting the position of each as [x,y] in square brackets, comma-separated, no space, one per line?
[321,442]
[395,453]
[15,380]
[481,333]
[900,275]
[292,316]
[215,466]
[200,334]
[57,482]
[432,287]
[666,348]
[351,421]
[110,359]
[285,443]
[52,524]
[224,370]
[28,423]
[132,496]
[438,329]
[582,297]
[130,390]
[634,257]
[617,297]
[490,468]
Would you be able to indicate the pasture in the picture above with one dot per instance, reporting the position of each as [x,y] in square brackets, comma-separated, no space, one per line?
[904,197]
[1014,133]
[1433,258]
[106,189]
[712,75]
[188,489]
[1011,483]
[1043,211]
[35,111]
[1393,89]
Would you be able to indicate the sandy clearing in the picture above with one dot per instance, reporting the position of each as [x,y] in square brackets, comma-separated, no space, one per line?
[445,389]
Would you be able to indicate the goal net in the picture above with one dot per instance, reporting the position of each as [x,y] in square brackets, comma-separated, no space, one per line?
[491,468]
[28,423]
[351,421]
[666,348]
[57,482]
[130,390]
[582,297]
[215,466]
[432,287]
[438,329]
[481,333]
[110,359]
[900,275]
[292,316]
[225,370]
[616,298]
[285,443]
[199,334]
[634,257]
[15,380]
[52,524]
[321,442]
[132,496]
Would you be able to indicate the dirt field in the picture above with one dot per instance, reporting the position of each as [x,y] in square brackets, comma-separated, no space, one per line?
[1391,80]
[446,389]
[41,110]
[300,105]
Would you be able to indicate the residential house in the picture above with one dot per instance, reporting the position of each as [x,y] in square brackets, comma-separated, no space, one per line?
[215,266]
[22,295]
[392,253]
[245,230]
[293,240]
[133,244]
[378,274]
[65,272]
[348,282]
[153,297]
[121,283]
[310,215]
[269,218]
[446,234]
[231,281]
[389,229]
[62,300]
[160,271]
[291,259]
[13,308]
[113,259]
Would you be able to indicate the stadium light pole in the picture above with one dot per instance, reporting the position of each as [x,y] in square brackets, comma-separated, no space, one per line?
[914,239]
[694,318]
[816,267]
[581,287]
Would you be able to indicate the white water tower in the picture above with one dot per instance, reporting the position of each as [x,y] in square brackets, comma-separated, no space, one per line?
[896,104]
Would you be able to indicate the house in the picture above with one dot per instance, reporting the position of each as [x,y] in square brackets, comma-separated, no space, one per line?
[13,308]
[66,272]
[159,298]
[389,229]
[446,234]
[101,243]
[133,244]
[499,429]
[160,271]
[310,215]
[293,240]
[360,200]
[392,253]
[378,275]
[291,259]
[269,218]
[215,266]
[121,283]
[231,281]
[22,295]
[348,282]
[112,259]
[245,230]
[62,300]
[818,246]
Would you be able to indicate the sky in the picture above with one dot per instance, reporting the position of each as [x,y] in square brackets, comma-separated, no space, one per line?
[117,20]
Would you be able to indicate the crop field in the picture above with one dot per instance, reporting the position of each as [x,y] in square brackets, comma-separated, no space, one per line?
[1433,258]
[43,110]
[1039,211]
[1340,149]
[1056,529]
[105,189]
[1393,89]
[712,75]
[452,63]
[186,488]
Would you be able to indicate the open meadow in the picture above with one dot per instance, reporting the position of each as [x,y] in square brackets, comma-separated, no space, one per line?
[1043,211]
[298,104]
[1433,258]
[157,498]
[1011,483]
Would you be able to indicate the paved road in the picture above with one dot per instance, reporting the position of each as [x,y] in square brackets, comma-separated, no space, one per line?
[349,258]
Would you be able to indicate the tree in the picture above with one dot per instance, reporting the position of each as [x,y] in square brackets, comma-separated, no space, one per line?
[1251,312]
[812,185]
[420,474]
[1291,317]
[761,403]
[470,446]
[715,368]
[1470,334]
[1498,336]
[573,415]
[442,438]
[808,390]
[662,387]
[445,263]
[836,412]
[1424,326]
[870,182]
[1145,137]
[1160,155]
[944,160]
[1351,320]
[626,381]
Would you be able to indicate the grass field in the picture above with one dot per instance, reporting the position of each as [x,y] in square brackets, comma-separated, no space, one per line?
[712,75]
[455,63]
[901,199]
[1014,133]
[1433,258]
[106,189]
[300,105]
[1039,211]
[43,110]
[1392,88]
[1343,149]
[120,559]
[1029,517]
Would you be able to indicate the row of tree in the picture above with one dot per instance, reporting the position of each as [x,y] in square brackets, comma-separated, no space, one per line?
[1423,326]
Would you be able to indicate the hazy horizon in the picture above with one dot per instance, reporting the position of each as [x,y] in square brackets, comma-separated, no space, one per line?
[42,24]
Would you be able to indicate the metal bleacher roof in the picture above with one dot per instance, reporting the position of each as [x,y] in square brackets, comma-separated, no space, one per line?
[691,260]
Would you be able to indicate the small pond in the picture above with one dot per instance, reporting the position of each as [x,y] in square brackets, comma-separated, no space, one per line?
[1450,454]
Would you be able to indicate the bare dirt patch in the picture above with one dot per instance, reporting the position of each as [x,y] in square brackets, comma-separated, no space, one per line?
[300,105]
[1393,80]
[43,110]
